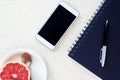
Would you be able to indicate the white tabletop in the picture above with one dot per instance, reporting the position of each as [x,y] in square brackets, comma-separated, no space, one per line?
[21,19]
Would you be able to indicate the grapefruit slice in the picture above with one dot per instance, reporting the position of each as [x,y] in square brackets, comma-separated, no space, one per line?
[15,71]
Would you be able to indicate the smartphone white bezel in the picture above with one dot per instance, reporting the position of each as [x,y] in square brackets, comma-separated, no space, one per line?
[44,41]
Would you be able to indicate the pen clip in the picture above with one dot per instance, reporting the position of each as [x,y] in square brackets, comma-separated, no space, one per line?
[103,55]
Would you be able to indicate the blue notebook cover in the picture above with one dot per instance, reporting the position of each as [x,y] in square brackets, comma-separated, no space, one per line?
[87,49]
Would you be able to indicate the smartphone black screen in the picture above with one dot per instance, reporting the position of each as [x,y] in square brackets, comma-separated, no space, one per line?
[56,25]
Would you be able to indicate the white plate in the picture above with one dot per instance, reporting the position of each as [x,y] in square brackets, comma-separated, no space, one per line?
[38,67]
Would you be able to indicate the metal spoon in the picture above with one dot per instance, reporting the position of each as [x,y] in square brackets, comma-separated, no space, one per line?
[26,58]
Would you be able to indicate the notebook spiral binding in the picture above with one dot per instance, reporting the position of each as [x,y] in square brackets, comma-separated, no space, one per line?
[86,26]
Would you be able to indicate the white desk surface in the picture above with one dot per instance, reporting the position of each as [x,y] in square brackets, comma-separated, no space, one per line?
[20,21]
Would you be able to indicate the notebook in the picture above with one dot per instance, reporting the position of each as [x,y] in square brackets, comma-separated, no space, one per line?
[87,49]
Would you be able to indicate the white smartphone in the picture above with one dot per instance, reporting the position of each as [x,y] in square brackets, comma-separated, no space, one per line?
[56,25]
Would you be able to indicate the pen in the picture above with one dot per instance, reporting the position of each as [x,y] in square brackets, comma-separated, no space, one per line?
[104,47]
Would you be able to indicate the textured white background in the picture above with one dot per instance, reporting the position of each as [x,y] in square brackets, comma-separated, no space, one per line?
[21,19]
